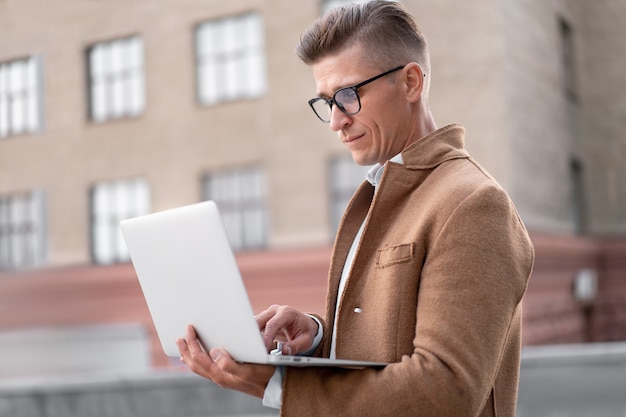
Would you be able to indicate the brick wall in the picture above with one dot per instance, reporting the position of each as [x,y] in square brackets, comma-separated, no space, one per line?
[100,296]
[552,313]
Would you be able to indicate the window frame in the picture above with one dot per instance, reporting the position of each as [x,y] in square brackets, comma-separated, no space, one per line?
[106,215]
[29,232]
[116,87]
[215,63]
[339,194]
[30,93]
[241,196]
[568,60]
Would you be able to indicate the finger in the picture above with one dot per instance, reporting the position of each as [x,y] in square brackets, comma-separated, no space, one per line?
[304,332]
[263,317]
[287,322]
[300,343]
[190,333]
[221,368]
[194,356]
[274,327]
[192,341]
[229,373]
[182,349]
[223,360]
[249,378]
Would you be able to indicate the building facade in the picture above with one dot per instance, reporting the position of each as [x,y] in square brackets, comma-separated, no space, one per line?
[114,109]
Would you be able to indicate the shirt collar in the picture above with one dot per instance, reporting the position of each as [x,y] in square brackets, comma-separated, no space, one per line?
[375,173]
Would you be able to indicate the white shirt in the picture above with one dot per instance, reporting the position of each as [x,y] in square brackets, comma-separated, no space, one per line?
[274,390]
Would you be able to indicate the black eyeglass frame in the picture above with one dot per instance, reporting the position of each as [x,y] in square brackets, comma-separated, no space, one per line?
[355,89]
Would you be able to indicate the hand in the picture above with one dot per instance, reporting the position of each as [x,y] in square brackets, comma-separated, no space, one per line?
[287,325]
[221,368]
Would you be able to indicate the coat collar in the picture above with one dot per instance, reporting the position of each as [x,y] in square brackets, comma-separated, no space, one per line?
[437,147]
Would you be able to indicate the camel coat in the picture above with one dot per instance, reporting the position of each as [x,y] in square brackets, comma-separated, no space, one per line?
[435,290]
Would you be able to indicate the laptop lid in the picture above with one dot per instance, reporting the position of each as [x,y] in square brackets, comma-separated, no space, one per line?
[189,275]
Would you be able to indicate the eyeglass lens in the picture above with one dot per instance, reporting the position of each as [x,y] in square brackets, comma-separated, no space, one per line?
[347,99]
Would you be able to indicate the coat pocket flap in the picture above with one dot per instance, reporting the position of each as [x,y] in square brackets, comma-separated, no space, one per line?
[394,254]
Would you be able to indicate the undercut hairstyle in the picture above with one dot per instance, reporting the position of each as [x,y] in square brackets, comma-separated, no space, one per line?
[387,32]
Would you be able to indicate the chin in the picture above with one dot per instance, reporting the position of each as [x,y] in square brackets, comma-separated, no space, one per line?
[363,161]
[359,159]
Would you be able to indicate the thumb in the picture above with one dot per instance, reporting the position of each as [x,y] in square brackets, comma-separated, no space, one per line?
[301,343]
[216,354]
[270,333]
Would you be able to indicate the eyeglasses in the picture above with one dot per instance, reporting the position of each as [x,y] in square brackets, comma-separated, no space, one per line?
[346,98]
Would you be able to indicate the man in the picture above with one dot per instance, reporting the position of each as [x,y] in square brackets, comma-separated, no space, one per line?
[431,259]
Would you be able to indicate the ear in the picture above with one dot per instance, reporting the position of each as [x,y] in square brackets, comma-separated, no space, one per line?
[414,81]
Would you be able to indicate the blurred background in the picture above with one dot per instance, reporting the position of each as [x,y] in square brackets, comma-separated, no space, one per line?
[114,109]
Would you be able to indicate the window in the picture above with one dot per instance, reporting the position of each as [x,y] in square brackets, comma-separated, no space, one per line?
[568,61]
[21,97]
[111,203]
[572,113]
[230,59]
[240,196]
[116,79]
[345,178]
[22,230]
[577,195]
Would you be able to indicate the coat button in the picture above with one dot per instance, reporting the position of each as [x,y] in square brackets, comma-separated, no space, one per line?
[357,310]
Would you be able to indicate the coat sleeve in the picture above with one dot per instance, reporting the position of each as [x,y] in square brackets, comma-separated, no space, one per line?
[472,282]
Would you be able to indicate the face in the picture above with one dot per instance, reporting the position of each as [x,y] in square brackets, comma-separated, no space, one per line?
[380,130]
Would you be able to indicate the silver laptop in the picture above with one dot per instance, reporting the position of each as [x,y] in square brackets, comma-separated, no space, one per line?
[188,275]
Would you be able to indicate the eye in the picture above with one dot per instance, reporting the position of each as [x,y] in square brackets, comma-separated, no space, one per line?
[346,96]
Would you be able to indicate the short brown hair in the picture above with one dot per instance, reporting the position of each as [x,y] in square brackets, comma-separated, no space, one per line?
[385,29]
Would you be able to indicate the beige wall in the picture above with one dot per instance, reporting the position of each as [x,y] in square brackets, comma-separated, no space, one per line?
[537,129]
[495,69]
[603,85]
[467,58]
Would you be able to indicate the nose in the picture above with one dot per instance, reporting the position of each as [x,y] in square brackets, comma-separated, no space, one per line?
[338,119]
